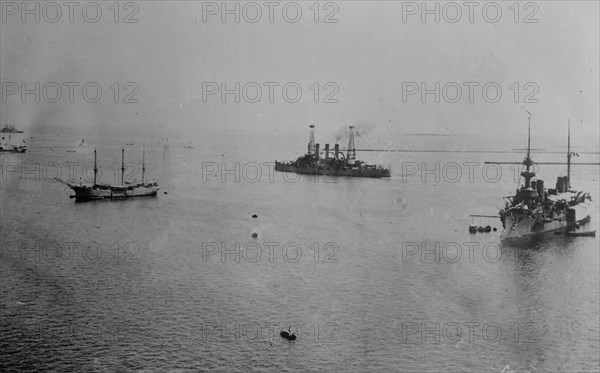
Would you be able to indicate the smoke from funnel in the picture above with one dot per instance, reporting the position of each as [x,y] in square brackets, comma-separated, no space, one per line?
[360,130]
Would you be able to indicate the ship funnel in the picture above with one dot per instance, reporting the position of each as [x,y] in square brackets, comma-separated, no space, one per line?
[336,150]
[317,151]
[326,151]
[351,155]
[540,189]
[311,140]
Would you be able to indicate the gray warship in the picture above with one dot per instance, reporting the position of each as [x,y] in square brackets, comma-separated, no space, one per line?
[534,210]
[332,163]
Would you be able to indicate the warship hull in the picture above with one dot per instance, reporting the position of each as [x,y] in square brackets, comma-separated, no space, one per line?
[526,226]
[349,172]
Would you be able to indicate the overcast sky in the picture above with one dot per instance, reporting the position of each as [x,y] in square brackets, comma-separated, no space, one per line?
[367,55]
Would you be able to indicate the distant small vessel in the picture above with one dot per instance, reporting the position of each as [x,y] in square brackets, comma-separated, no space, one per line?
[9,129]
[288,335]
[106,191]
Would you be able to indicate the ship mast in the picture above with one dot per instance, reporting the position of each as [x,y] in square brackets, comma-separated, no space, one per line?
[527,162]
[528,140]
[143,161]
[95,167]
[569,157]
[122,166]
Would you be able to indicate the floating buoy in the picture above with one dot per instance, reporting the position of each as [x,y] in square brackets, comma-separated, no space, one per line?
[488,228]
[254,235]
[480,229]
[472,228]
[495,229]
[255,216]
[165,192]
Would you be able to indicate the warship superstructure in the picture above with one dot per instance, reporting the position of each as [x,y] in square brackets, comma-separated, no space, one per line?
[535,210]
[333,162]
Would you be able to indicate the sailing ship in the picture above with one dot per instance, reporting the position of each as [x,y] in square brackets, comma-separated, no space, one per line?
[535,210]
[125,190]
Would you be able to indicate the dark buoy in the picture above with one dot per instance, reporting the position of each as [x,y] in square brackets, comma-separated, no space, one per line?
[480,229]
[488,228]
[495,229]
[255,216]
[472,228]
[254,235]
[165,192]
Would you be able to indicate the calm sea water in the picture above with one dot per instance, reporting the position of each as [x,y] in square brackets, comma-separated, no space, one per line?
[155,284]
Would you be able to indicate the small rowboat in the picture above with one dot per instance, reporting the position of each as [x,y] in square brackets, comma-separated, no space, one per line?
[288,336]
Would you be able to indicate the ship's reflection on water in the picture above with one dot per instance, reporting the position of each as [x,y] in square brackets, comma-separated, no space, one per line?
[546,269]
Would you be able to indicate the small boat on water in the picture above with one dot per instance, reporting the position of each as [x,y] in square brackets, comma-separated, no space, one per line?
[288,335]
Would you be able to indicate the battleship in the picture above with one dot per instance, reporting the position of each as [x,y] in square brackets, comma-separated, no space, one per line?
[125,190]
[335,164]
[535,210]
